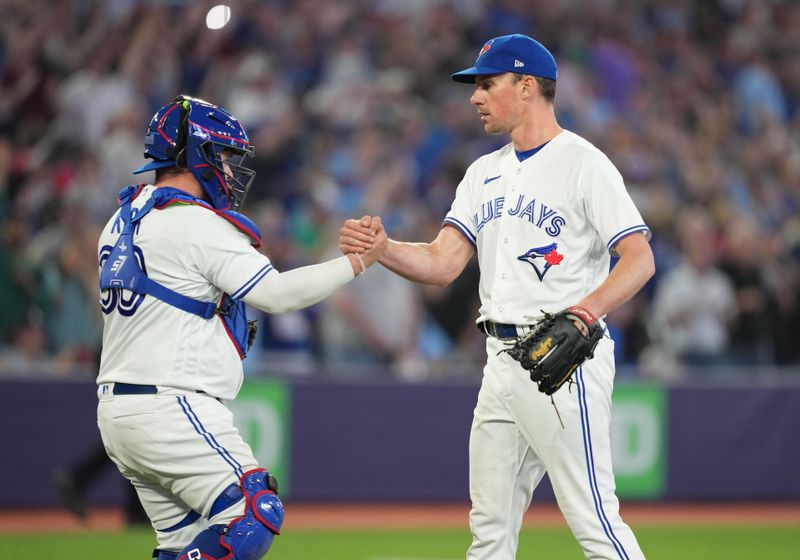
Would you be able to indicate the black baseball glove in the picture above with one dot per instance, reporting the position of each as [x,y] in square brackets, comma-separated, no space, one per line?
[555,348]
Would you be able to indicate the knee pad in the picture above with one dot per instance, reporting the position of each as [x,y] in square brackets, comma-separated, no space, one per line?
[248,537]
[164,555]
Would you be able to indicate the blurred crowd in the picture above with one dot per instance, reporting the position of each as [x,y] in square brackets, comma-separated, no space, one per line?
[351,110]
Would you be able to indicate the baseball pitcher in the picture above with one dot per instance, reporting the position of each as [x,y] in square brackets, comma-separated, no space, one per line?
[544,213]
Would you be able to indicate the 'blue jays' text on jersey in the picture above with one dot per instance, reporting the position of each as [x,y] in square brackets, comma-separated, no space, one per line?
[544,228]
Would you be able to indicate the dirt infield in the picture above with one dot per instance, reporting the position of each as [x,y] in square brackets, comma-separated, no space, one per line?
[389,516]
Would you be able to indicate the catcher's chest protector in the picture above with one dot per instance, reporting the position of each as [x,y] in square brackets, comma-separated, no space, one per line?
[122,270]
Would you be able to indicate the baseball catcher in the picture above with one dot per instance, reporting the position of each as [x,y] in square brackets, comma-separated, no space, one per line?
[556,346]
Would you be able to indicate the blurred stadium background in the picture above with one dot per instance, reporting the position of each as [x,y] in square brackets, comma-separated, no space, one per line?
[367,397]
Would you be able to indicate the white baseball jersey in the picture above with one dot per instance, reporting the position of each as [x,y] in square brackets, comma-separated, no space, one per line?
[193,251]
[543,227]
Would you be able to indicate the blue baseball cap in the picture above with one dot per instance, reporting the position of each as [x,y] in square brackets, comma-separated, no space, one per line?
[510,53]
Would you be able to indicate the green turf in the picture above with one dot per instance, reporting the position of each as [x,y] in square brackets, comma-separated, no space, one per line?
[659,543]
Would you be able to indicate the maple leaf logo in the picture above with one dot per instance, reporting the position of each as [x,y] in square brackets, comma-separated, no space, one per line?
[553,257]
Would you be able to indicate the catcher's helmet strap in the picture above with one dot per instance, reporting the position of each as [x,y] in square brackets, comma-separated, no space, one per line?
[177,152]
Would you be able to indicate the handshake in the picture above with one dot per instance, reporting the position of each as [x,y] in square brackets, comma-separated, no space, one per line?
[363,241]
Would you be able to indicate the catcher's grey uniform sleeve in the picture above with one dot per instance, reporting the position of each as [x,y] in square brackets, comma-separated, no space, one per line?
[608,204]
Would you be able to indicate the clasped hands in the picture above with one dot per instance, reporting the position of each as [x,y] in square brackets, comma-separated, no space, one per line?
[364,241]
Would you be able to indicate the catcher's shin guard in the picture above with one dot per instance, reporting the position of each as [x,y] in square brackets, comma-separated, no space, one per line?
[248,537]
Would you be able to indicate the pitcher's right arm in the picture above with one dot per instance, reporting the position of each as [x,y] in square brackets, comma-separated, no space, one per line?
[438,263]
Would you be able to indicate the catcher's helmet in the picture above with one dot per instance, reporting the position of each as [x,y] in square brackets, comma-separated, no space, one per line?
[192,134]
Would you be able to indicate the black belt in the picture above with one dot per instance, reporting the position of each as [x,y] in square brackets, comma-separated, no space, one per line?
[498,330]
[131,389]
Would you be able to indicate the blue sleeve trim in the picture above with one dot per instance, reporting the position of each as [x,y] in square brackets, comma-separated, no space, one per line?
[625,233]
[463,229]
[241,292]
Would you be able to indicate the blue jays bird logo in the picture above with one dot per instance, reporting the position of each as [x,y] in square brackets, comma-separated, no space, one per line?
[548,253]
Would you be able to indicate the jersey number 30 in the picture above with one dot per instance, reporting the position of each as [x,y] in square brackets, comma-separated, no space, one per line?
[124,301]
